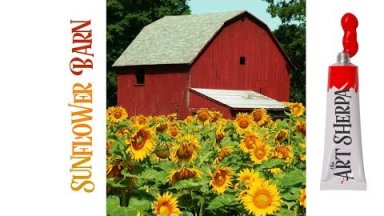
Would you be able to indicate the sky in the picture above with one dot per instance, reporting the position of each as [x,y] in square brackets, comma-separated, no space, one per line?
[256,7]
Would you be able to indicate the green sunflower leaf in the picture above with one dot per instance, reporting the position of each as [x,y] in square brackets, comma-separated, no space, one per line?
[221,201]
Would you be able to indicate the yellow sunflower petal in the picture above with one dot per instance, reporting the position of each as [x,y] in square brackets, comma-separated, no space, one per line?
[186,150]
[260,152]
[260,116]
[248,142]
[116,114]
[221,179]
[284,152]
[165,205]
[243,123]
[142,143]
[297,109]
[262,199]
[303,198]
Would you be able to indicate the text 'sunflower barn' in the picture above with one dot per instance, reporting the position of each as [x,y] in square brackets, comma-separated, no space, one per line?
[228,61]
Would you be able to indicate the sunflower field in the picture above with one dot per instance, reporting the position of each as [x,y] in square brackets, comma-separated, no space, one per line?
[206,164]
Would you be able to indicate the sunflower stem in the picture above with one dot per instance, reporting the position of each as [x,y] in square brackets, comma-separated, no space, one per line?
[202,202]
[124,201]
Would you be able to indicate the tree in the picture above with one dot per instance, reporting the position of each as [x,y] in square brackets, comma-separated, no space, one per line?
[125,19]
[291,35]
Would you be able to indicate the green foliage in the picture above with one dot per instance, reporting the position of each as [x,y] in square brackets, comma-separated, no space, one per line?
[135,205]
[138,183]
[222,201]
[125,19]
[291,35]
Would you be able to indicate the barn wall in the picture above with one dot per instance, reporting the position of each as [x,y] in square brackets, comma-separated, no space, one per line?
[265,70]
[164,92]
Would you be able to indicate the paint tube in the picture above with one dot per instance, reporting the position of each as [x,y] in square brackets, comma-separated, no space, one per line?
[343,161]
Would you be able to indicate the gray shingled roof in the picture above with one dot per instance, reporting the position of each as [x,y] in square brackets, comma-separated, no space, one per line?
[174,39]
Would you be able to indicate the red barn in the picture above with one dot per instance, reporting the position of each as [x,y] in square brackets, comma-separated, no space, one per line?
[225,61]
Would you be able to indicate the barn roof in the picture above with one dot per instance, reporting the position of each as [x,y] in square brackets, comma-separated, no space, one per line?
[239,99]
[177,39]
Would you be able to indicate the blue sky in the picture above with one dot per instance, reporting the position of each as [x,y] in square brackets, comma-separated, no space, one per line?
[256,7]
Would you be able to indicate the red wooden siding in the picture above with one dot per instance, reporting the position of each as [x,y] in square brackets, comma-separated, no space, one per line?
[164,92]
[265,70]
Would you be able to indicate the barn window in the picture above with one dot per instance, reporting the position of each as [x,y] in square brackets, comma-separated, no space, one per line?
[139,77]
[242,60]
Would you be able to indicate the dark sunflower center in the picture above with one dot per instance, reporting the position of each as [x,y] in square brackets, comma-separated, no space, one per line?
[243,123]
[203,116]
[184,174]
[185,151]
[249,143]
[174,132]
[139,140]
[117,115]
[281,135]
[260,153]
[220,179]
[164,153]
[219,136]
[284,152]
[257,116]
[262,199]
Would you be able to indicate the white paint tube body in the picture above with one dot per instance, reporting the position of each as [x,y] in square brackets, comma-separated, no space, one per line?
[343,161]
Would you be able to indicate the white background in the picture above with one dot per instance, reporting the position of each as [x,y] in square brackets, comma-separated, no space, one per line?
[324,41]
[35,87]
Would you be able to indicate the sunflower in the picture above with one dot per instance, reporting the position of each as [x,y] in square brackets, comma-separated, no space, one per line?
[303,198]
[284,152]
[162,151]
[110,143]
[281,135]
[220,134]
[303,157]
[116,114]
[301,127]
[262,199]
[142,143]
[248,176]
[243,123]
[172,117]
[114,167]
[173,130]
[248,142]
[185,150]
[297,109]
[302,145]
[215,116]
[123,132]
[139,119]
[161,127]
[165,205]
[275,171]
[260,116]
[188,120]
[203,115]
[184,173]
[222,153]
[260,152]
[221,179]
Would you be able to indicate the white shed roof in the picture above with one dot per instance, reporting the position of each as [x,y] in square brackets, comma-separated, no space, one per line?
[240,99]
